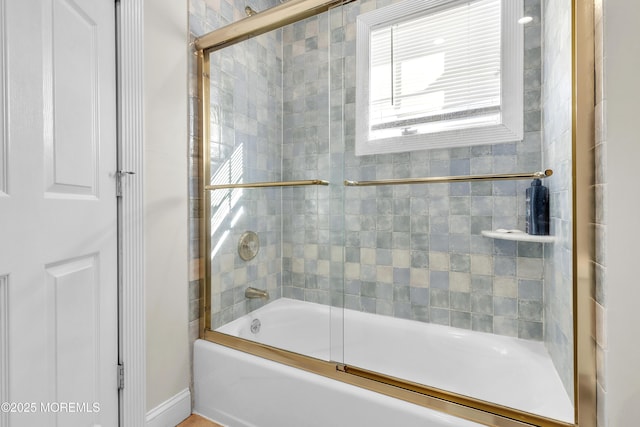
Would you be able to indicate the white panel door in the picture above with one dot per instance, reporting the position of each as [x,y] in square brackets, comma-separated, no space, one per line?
[58,229]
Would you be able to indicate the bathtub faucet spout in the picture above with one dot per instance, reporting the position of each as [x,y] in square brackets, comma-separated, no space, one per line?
[255,293]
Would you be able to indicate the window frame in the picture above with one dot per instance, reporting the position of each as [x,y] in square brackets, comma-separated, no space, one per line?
[511,127]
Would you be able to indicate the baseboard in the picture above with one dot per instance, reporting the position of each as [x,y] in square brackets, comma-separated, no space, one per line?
[170,412]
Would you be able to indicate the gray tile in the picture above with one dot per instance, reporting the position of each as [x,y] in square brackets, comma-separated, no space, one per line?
[505,307]
[368,305]
[481,322]
[482,285]
[460,320]
[384,307]
[504,266]
[439,316]
[384,291]
[460,301]
[368,289]
[420,313]
[482,304]
[401,293]
[530,330]
[505,326]
[402,310]
[460,262]
[419,259]
[439,298]
[530,310]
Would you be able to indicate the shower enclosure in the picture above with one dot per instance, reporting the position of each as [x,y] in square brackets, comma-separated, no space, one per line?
[365,166]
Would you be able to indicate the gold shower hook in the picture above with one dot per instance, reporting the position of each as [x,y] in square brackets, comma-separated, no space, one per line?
[249,11]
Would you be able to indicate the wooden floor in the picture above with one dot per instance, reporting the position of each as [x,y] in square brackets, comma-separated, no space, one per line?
[197,421]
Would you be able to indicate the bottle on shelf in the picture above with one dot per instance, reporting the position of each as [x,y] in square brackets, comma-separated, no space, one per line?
[537,209]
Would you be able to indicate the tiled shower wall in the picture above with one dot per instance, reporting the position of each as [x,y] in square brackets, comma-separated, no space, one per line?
[312,216]
[409,251]
[557,110]
[415,251]
[245,146]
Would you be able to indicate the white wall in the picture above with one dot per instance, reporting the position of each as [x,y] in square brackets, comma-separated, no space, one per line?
[165,199]
[619,323]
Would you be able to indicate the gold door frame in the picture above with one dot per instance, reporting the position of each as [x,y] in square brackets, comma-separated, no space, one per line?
[583,237]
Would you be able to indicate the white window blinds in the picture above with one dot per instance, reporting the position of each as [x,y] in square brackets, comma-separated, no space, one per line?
[436,72]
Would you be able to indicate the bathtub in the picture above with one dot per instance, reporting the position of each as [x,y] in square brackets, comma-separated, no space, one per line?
[238,389]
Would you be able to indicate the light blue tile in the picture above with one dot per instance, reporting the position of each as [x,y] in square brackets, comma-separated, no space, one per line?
[401,276]
[419,296]
[439,280]
[530,290]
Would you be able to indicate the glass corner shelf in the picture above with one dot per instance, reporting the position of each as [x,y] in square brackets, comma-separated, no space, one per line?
[517,235]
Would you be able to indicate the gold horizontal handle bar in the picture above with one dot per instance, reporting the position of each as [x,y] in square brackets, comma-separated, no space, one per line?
[442,179]
[267,184]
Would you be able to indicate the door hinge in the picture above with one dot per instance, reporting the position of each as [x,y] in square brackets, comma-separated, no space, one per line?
[119,176]
[120,376]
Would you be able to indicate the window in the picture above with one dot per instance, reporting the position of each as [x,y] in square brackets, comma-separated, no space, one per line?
[438,73]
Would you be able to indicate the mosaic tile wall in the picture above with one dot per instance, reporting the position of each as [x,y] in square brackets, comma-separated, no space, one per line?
[407,251]
[312,216]
[245,144]
[416,251]
[556,101]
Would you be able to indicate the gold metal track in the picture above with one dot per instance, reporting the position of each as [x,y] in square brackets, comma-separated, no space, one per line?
[204,82]
[583,134]
[262,22]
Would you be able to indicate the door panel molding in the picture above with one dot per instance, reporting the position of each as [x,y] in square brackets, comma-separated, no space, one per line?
[71,140]
[73,299]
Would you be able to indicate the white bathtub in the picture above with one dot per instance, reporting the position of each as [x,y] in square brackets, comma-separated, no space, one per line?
[237,389]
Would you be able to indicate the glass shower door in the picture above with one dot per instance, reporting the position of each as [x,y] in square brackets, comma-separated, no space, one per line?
[421,284]
[441,291]
[275,267]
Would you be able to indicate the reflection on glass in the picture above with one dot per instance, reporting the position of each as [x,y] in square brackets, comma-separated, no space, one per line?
[269,110]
